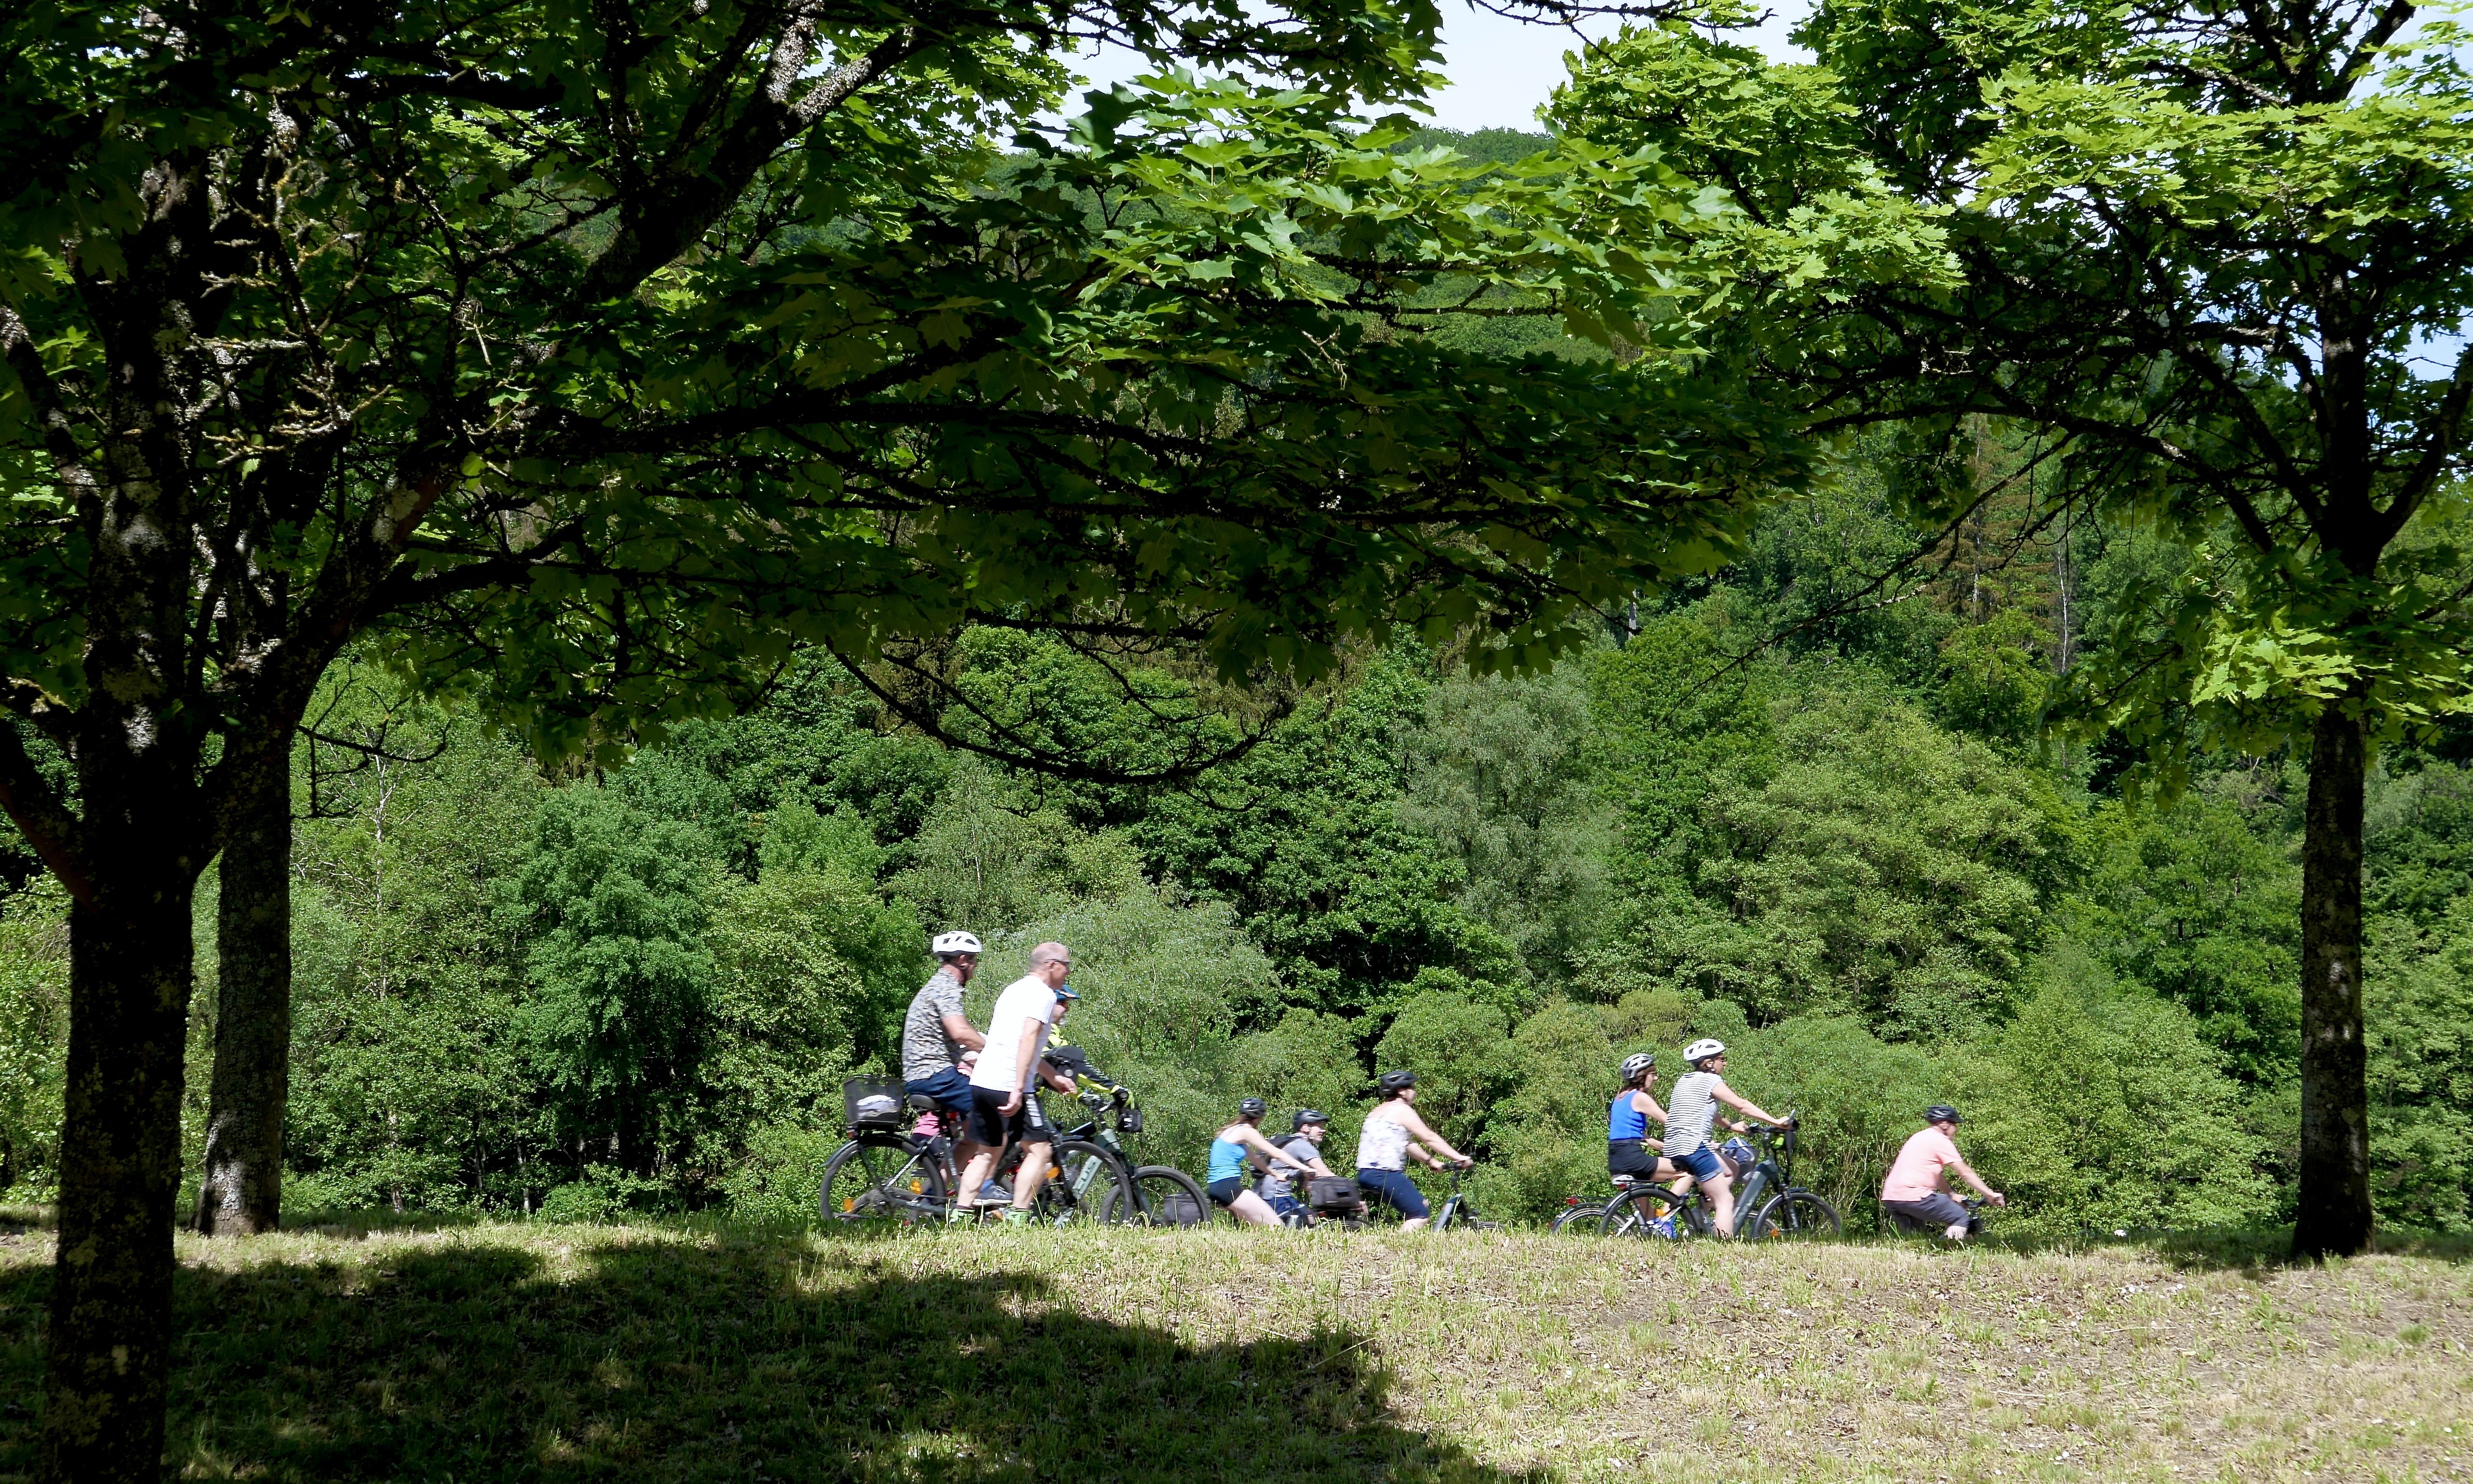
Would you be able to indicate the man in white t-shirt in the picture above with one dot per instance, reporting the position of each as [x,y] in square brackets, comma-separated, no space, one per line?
[1002,1109]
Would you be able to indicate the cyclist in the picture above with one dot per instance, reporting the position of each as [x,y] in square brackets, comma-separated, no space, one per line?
[1629,1149]
[1390,1138]
[934,1034]
[1002,1107]
[1229,1164]
[1697,1093]
[1307,1131]
[1918,1182]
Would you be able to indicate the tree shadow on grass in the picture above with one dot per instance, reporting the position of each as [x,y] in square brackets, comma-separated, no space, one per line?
[748,1360]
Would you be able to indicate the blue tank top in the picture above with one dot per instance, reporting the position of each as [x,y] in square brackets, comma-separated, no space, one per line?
[1226,1161]
[1624,1121]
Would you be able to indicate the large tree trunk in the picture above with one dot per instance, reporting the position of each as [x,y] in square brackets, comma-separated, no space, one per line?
[110,1335]
[242,1191]
[2335,1215]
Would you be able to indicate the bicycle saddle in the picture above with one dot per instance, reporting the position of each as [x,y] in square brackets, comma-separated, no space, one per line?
[1622,1182]
[921,1102]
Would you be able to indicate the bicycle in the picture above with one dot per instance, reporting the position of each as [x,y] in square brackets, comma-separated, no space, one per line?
[1899,1224]
[1770,1207]
[1453,1214]
[883,1176]
[1150,1195]
[1649,1211]
[1793,1213]
[1577,1218]
[1456,1214]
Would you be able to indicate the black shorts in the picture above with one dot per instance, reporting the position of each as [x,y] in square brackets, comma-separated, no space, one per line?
[1630,1157]
[986,1125]
[1224,1192]
[1935,1210]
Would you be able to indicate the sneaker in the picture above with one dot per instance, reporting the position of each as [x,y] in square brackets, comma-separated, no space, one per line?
[1016,1217]
[962,1216]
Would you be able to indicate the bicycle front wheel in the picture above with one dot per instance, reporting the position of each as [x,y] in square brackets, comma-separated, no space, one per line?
[1161,1195]
[1795,1216]
[1084,1187]
[881,1179]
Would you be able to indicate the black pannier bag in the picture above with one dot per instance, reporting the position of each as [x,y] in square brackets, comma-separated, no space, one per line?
[1333,1194]
[873,1103]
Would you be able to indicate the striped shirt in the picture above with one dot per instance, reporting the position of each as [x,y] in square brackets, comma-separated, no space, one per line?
[1689,1112]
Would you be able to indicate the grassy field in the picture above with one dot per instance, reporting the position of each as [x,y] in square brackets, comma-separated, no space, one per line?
[481,1353]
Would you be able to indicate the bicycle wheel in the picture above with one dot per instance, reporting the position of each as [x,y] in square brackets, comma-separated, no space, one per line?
[1661,1221]
[1795,1216]
[1161,1195]
[881,1177]
[1580,1220]
[1084,1186]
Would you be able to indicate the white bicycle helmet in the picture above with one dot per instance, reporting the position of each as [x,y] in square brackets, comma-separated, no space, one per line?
[949,943]
[1703,1049]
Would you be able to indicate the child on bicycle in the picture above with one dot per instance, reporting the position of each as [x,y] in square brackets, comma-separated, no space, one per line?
[1230,1153]
[1307,1131]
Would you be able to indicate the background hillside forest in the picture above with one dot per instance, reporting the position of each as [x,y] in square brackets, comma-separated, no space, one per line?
[1852,854]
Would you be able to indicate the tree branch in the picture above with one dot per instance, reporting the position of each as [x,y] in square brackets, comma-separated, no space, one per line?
[41,816]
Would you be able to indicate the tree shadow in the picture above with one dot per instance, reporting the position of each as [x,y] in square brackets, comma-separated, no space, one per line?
[749,1359]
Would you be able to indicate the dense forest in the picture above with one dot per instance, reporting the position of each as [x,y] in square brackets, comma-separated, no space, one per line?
[1826,826]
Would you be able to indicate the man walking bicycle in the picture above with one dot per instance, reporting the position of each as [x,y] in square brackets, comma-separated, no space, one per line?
[1002,1107]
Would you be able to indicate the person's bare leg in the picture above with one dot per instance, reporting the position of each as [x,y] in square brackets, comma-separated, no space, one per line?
[1956,1231]
[1253,1210]
[1413,1224]
[1721,1201]
[1034,1170]
[983,1164]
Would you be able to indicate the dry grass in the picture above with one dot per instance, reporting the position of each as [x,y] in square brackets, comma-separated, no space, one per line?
[714,1352]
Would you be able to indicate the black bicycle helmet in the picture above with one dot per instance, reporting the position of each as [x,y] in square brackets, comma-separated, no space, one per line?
[1252,1107]
[1392,1082]
[1305,1116]
[1940,1112]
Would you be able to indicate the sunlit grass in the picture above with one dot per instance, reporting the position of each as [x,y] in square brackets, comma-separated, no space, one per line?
[715,1351]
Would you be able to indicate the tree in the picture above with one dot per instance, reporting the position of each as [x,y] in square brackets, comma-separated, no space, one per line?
[2196,253]
[601,356]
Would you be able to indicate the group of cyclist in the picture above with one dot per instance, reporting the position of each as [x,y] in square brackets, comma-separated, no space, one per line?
[1916,1190]
[986,1082]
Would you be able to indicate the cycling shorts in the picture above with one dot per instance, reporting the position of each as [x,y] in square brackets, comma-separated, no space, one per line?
[1224,1192]
[1027,1125]
[1395,1189]
[1630,1157]
[951,1090]
[1701,1164]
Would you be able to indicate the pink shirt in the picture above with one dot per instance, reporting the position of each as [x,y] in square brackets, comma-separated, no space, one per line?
[1916,1174]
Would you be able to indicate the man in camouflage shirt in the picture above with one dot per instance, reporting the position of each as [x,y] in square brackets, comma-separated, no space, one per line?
[934,1034]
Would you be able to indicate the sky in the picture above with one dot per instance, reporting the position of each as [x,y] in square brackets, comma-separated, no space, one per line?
[1500,70]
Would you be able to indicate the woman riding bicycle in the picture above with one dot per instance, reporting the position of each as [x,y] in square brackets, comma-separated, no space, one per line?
[1697,1096]
[1231,1173]
[1392,1133]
